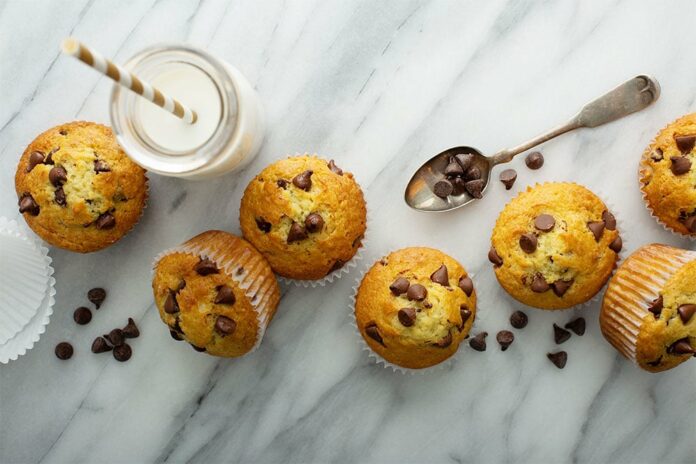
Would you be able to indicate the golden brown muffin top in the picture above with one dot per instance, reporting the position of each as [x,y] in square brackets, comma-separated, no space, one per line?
[554,245]
[77,189]
[415,306]
[305,215]
[668,175]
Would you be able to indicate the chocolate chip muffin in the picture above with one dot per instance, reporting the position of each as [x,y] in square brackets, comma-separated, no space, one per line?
[305,215]
[668,176]
[415,306]
[77,189]
[217,293]
[554,246]
[649,310]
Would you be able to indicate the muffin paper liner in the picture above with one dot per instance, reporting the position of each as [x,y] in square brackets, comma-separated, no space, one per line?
[259,291]
[405,370]
[31,272]
[626,303]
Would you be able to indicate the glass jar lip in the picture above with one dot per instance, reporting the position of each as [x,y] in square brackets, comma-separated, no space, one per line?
[140,149]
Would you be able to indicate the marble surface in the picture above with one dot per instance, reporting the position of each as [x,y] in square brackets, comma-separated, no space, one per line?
[379,86]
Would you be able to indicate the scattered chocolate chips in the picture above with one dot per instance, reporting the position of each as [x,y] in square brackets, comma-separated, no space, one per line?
[57,176]
[263,225]
[528,243]
[505,339]
[28,205]
[685,143]
[105,221]
[656,306]
[335,169]
[122,353]
[560,335]
[560,287]
[82,315]
[372,332]
[479,341]
[99,345]
[303,180]
[597,229]
[508,178]
[465,160]
[445,341]
[59,197]
[407,316]
[453,169]
[399,286]
[577,325]
[314,223]
[616,245]
[475,188]
[443,188]
[534,160]
[35,158]
[686,312]
[680,165]
[494,257]
[224,325]
[64,350]
[131,330]
[416,292]
[558,359]
[609,220]
[296,233]
[545,222]
[116,337]
[440,276]
[467,285]
[539,284]
[171,306]
[518,320]
[465,314]
[206,267]
[681,347]
[225,295]
[96,296]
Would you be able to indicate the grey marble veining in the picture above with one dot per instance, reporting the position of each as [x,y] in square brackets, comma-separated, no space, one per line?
[380,87]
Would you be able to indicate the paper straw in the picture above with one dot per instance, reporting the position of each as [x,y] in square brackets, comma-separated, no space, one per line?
[73,47]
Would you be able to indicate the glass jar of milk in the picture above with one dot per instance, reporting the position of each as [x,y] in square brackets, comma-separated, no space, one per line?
[227,134]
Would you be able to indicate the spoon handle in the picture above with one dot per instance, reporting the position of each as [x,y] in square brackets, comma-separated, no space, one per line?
[631,96]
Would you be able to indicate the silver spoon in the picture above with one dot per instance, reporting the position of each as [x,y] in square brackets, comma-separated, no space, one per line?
[631,96]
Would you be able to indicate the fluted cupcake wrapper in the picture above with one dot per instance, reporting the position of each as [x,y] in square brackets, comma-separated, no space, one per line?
[246,268]
[632,291]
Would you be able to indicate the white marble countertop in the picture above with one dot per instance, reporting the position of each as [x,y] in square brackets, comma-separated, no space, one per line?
[380,87]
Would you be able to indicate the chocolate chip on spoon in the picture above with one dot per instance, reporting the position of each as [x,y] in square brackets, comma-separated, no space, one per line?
[303,180]
[577,325]
[407,316]
[458,186]
[131,330]
[96,296]
[440,276]
[453,169]
[465,160]
[558,359]
[505,339]
[473,173]
[399,286]
[475,188]
[443,188]
[508,178]
[534,160]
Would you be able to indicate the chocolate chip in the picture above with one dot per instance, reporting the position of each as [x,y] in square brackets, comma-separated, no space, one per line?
[616,245]
[558,359]
[296,233]
[416,292]
[690,223]
[82,315]
[686,311]
[64,350]
[440,276]
[609,220]
[458,186]
[443,188]
[518,320]
[508,178]
[657,155]
[198,348]
[116,337]
[338,264]
[445,341]
[680,165]
[59,196]
[171,306]
[534,160]
[685,143]
[99,345]
[206,267]
[681,347]
[101,166]
[57,176]
[597,228]
[505,339]
[475,188]
[335,169]
[465,314]
[407,316]
[545,222]
[225,295]
[314,223]
[28,205]
[561,286]
[528,243]
[282,183]
[372,332]
[560,335]
[96,296]
[131,330]
[656,306]
[427,304]
[224,325]
[473,173]
[49,157]
[303,180]
[399,286]
[577,326]
[539,284]
[453,169]
[263,225]
[494,257]
[467,285]
[479,341]
[35,158]
[105,221]
[122,353]
[465,160]
[176,335]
